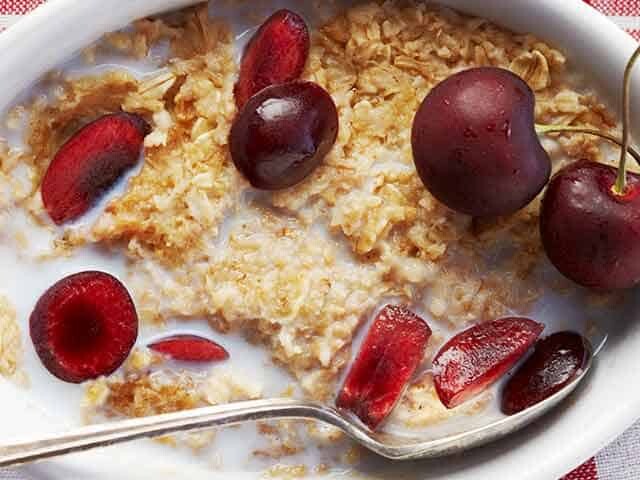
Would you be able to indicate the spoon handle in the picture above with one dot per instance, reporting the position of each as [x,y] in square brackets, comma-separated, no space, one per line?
[86,438]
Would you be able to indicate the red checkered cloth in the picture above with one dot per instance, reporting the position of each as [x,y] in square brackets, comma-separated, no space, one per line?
[618,461]
[588,471]
[626,13]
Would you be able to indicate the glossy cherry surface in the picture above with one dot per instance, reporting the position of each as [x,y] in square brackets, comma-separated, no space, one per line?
[475,146]
[555,362]
[589,233]
[283,133]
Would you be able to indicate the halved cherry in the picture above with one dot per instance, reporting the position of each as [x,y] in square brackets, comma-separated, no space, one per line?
[90,162]
[276,54]
[475,358]
[84,326]
[554,363]
[390,354]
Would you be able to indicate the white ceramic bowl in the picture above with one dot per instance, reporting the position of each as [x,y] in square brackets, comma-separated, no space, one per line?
[602,410]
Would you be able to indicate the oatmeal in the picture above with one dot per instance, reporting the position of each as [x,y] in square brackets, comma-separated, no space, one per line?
[146,388]
[302,269]
[306,298]
[10,343]
[287,472]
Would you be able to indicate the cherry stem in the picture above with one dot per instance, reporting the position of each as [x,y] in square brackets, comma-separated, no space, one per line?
[621,181]
[542,129]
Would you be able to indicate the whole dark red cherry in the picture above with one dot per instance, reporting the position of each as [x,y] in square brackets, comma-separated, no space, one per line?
[283,133]
[590,233]
[475,146]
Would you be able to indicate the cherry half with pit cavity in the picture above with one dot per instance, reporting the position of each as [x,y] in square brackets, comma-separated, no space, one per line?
[84,326]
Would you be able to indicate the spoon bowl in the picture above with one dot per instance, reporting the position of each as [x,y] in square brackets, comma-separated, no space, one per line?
[392,446]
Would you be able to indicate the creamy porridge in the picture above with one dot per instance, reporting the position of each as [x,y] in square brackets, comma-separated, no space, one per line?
[298,271]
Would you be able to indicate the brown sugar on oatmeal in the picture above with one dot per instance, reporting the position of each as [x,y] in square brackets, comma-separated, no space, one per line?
[143,394]
[145,389]
[283,440]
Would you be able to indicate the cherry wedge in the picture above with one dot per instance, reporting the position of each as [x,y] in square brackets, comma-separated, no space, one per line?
[554,363]
[389,356]
[276,54]
[475,358]
[190,348]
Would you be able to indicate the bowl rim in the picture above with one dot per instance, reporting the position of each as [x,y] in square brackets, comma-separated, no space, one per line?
[593,41]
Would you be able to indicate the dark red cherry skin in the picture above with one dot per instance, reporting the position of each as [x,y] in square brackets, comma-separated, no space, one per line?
[475,146]
[283,133]
[590,234]
[276,54]
[554,363]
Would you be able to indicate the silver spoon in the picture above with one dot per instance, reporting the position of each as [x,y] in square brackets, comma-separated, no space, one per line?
[395,447]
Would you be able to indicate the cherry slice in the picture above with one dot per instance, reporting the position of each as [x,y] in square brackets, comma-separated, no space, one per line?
[276,54]
[389,356]
[190,348]
[90,162]
[475,358]
[554,363]
[84,326]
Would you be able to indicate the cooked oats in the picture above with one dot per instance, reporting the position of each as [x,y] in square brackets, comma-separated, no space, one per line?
[302,269]
[224,385]
[10,343]
[145,388]
[283,437]
[286,472]
[143,395]
[420,407]
[141,360]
